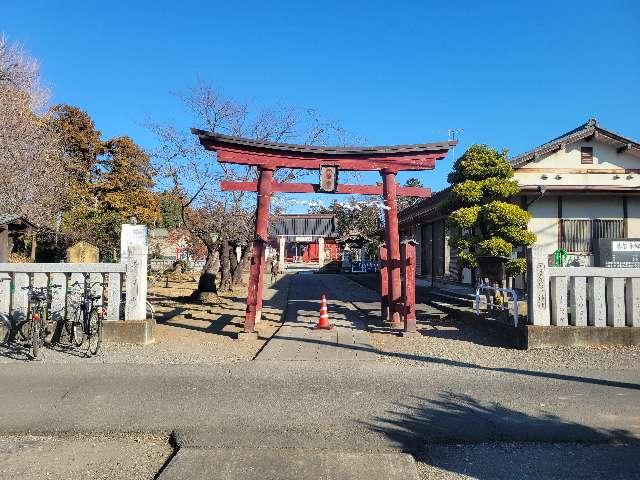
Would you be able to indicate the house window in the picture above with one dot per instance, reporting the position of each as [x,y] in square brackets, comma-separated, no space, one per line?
[581,236]
[586,155]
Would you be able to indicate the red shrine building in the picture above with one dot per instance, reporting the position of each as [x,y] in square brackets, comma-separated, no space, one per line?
[306,238]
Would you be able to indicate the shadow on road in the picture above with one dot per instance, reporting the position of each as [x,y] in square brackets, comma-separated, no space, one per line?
[457,419]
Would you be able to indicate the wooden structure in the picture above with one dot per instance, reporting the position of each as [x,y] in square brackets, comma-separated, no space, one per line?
[12,226]
[268,157]
[307,237]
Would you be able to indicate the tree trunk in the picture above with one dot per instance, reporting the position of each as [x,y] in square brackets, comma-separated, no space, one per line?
[207,291]
[242,266]
[225,277]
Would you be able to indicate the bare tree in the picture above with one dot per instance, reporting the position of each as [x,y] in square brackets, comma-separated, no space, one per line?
[223,221]
[32,180]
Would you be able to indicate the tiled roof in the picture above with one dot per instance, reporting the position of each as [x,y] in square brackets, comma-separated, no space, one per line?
[423,209]
[587,129]
[429,206]
[353,150]
[316,225]
[6,218]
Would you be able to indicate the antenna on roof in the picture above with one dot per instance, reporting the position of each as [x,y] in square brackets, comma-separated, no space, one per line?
[453,133]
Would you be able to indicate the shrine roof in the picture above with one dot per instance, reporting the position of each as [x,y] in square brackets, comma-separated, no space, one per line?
[316,225]
[15,219]
[239,142]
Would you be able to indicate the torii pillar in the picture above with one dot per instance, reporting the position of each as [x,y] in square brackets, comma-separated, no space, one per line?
[392,239]
[256,275]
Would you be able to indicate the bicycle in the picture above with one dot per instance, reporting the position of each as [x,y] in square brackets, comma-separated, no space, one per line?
[87,319]
[35,328]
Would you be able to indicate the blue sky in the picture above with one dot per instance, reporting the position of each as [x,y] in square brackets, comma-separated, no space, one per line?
[511,74]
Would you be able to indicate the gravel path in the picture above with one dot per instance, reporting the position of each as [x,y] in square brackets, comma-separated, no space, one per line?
[459,341]
[191,333]
[446,338]
[118,457]
[530,462]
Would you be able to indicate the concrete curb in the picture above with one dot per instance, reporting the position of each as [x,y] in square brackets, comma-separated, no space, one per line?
[139,332]
[268,464]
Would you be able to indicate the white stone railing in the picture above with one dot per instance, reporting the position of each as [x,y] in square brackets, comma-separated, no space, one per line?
[582,296]
[14,277]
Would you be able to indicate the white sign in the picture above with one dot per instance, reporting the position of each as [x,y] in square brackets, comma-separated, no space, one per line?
[328,178]
[625,246]
[131,235]
[304,239]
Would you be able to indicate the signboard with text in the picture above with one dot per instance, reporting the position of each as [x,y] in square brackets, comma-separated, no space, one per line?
[618,253]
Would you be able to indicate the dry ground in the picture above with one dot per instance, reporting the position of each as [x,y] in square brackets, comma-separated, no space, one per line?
[186,332]
[447,340]
[201,332]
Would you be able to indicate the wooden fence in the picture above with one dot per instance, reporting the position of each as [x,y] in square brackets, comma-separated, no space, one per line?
[582,296]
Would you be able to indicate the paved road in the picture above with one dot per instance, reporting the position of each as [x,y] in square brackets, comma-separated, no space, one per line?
[329,410]
[298,340]
[361,406]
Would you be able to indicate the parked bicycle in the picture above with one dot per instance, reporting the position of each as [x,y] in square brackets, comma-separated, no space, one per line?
[34,329]
[88,316]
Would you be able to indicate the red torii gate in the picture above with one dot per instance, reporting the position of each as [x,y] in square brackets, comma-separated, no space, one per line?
[269,156]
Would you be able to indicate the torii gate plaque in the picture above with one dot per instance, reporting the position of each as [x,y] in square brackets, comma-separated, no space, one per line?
[268,157]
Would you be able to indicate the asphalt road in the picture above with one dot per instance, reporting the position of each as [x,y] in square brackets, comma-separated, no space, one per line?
[351,406]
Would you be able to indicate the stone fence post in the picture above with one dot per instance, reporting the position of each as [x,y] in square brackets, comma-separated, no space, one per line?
[538,310]
[136,283]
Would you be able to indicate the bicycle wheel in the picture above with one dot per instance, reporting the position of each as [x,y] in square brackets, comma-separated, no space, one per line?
[35,339]
[77,329]
[5,329]
[95,332]
[68,330]
[23,332]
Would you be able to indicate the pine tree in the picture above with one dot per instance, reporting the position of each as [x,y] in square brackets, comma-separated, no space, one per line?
[405,202]
[124,185]
[170,204]
[485,222]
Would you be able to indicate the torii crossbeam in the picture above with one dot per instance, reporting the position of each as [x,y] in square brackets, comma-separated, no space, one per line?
[269,156]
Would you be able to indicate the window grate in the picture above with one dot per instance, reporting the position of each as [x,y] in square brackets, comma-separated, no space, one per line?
[581,236]
[586,155]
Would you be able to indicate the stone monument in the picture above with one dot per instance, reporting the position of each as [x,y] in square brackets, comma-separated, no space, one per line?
[83,252]
[131,234]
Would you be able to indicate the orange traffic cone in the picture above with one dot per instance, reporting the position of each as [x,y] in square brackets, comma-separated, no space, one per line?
[323,323]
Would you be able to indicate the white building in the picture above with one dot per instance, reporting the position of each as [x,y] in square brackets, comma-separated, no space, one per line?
[579,187]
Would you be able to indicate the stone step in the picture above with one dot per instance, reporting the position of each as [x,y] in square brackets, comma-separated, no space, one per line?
[270,464]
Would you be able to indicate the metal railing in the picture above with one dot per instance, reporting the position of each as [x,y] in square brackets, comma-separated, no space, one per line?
[505,306]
